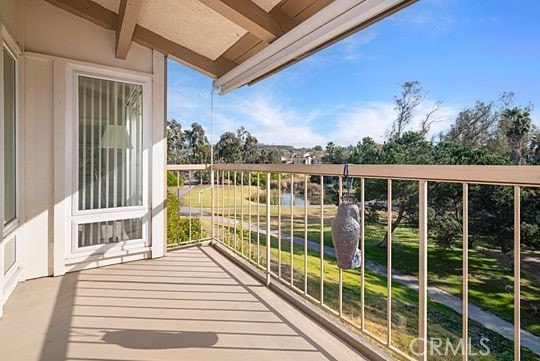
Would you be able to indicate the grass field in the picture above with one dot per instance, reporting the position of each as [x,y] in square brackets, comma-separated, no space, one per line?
[442,321]
[490,281]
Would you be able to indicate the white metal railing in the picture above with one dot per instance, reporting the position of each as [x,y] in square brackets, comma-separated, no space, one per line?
[228,226]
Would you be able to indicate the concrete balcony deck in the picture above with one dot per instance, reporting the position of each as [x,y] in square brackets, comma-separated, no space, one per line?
[194,304]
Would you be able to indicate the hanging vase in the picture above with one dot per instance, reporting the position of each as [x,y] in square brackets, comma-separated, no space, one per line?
[345,234]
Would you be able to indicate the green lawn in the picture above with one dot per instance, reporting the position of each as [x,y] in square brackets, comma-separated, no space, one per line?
[442,321]
[490,281]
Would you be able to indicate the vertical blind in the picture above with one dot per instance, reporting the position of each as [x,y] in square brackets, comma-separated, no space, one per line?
[110,144]
[110,173]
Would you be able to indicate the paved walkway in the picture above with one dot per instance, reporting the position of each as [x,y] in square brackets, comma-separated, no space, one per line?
[485,318]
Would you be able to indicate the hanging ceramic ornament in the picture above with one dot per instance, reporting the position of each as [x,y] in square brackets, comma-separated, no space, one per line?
[345,234]
[346,228]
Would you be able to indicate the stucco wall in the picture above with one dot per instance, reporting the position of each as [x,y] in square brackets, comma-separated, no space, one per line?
[37,195]
[12,15]
[52,31]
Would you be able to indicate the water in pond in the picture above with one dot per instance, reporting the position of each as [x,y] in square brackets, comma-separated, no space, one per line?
[286,200]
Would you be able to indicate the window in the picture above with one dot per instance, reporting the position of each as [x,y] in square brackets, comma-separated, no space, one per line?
[110,144]
[10,153]
[109,163]
[114,231]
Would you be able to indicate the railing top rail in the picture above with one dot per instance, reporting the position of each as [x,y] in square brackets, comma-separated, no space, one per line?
[187,167]
[475,174]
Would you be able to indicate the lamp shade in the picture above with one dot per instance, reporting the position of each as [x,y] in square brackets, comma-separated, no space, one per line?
[115,137]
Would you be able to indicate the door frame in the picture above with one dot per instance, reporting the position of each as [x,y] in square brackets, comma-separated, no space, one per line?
[67,255]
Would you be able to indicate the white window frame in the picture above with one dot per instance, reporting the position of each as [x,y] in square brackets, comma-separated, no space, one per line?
[13,49]
[74,71]
[9,232]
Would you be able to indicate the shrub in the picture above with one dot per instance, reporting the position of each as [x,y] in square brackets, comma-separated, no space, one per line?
[444,229]
[173,180]
[177,226]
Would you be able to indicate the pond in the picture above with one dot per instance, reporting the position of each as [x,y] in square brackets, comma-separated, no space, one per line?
[286,200]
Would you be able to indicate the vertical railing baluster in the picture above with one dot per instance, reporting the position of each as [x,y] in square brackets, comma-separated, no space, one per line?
[189,197]
[268,236]
[422,270]
[200,195]
[178,211]
[305,235]
[235,209]
[389,264]
[229,208]
[292,229]
[322,241]
[465,274]
[212,208]
[242,213]
[517,273]
[363,252]
[258,219]
[340,300]
[223,205]
[249,215]
[279,225]
[215,204]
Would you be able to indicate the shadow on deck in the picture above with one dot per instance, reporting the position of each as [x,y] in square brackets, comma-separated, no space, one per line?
[193,304]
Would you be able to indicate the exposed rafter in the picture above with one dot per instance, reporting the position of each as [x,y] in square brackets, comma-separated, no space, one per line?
[108,19]
[127,20]
[252,18]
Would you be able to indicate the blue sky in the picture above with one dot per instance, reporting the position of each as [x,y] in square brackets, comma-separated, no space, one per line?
[460,50]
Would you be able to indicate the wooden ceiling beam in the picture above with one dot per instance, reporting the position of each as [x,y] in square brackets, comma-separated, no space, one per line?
[213,68]
[88,10]
[127,19]
[252,18]
[108,19]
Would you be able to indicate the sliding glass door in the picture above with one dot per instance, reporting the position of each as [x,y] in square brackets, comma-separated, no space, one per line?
[110,169]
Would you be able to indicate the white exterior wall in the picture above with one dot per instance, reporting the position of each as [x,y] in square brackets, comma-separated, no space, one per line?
[52,38]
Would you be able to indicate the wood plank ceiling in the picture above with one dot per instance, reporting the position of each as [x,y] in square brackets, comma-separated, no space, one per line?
[261,28]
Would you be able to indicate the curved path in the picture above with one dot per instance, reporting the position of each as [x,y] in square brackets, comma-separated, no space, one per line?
[483,317]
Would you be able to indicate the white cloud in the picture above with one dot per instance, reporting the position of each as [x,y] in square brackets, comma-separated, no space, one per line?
[363,120]
[270,120]
[274,120]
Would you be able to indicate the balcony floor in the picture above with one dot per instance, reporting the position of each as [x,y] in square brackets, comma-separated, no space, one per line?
[193,304]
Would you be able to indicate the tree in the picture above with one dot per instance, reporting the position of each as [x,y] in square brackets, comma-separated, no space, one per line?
[229,148]
[335,154]
[366,152]
[517,130]
[475,126]
[250,146]
[269,156]
[410,98]
[175,142]
[197,144]
[409,148]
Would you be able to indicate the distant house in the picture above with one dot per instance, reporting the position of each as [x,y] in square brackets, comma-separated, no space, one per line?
[307,159]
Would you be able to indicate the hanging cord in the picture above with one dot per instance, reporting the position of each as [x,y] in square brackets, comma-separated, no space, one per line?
[348,182]
[211,145]
[212,125]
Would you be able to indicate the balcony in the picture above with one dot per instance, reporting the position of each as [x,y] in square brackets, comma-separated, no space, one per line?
[221,292]
[193,304]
